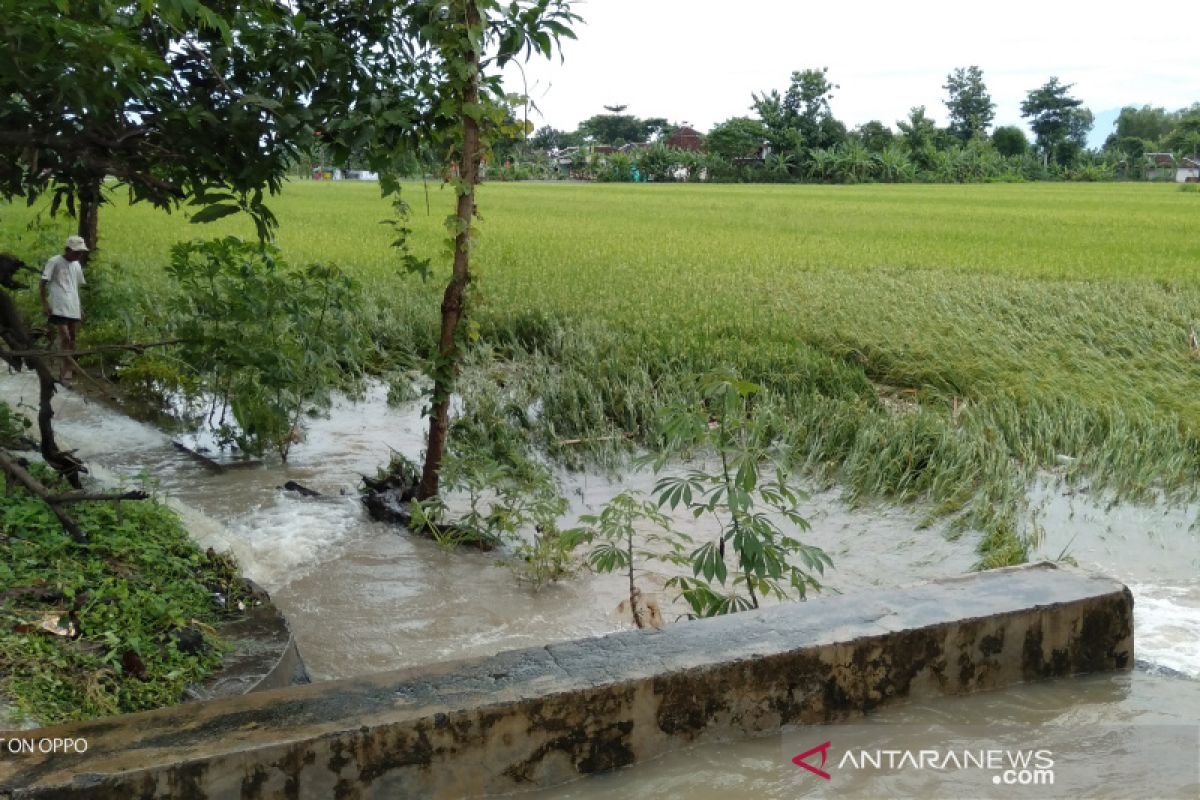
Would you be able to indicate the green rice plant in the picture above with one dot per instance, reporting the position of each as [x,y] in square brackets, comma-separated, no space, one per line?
[974,334]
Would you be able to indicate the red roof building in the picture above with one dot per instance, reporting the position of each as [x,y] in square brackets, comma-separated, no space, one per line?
[685,138]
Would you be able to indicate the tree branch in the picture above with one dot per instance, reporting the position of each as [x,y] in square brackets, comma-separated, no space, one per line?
[97,350]
[35,487]
[89,497]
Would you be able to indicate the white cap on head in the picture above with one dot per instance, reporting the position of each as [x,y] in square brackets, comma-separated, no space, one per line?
[77,244]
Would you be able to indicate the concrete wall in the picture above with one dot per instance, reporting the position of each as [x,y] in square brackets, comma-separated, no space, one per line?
[264,655]
[544,715]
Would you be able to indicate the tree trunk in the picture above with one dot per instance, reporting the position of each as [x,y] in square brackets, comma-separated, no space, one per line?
[13,332]
[453,301]
[89,213]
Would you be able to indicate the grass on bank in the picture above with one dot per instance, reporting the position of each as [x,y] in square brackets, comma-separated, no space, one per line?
[121,624]
[1014,323]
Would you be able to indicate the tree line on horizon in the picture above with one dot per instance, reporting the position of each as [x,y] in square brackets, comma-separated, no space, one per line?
[793,135]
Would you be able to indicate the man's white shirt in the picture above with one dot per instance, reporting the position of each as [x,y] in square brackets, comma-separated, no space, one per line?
[64,278]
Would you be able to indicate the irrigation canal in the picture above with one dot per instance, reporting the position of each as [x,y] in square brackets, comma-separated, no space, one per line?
[363,597]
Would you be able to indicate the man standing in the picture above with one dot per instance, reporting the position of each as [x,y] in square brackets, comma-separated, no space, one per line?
[64,275]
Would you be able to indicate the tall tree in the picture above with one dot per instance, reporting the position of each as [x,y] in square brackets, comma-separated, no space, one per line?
[970,106]
[473,40]
[806,107]
[920,134]
[1058,120]
[800,120]
[1146,123]
[782,137]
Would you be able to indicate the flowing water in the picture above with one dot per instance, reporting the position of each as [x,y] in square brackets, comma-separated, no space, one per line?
[363,597]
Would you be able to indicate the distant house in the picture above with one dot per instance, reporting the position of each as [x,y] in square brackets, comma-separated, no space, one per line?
[632,148]
[335,174]
[1188,171]
[567,156]
[1160,167]
[754,159]
[685,138]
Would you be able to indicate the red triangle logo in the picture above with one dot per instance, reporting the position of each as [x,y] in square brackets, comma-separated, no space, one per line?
[823,749]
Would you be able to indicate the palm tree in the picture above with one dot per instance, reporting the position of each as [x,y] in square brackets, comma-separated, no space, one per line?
[895,166]
[780,165]
[854,161]
[822,164]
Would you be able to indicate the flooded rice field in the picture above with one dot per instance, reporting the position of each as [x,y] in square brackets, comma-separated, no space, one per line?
[364,597]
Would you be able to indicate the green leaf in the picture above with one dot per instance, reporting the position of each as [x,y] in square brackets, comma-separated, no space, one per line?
[708,561]
[212,213]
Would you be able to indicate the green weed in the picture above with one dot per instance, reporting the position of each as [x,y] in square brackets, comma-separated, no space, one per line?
[133,608]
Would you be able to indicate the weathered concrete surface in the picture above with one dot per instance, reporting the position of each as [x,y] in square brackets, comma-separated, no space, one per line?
[544,715]
[264,656]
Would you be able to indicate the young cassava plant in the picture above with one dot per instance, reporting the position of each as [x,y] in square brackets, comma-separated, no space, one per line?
[744,488]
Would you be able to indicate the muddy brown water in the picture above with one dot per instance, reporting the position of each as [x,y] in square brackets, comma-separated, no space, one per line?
[363,597]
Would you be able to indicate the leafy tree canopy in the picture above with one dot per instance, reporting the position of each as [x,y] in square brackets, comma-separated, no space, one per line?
[801,116]
[173,98]
[969,103]
[618,129]
[1058,120]
[1185,137]
[548,138]
[919,130]
[211,100]
[874,135]
[1009,140]
[1146,123]
[737,137]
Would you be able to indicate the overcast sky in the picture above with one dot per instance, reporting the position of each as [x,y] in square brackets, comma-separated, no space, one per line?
[699,60]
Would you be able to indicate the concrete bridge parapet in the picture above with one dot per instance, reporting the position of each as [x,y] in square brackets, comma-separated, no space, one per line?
[541,716]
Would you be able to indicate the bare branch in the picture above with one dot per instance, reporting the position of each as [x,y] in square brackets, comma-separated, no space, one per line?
[86,497]
[36,488]
[97,350]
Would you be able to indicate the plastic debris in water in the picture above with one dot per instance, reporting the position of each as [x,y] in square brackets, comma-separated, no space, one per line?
[52,622]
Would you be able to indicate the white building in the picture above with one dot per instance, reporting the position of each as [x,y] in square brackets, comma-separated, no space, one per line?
[1188,171]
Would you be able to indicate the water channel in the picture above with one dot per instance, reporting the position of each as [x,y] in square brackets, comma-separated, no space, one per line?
[363,597]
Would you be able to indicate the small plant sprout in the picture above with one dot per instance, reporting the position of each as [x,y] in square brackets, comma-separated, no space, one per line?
[746,493]
[619,546]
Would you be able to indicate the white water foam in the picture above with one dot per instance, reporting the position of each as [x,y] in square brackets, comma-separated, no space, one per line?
[1167,626]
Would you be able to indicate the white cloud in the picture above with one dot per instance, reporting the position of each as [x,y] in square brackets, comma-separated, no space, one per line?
[700,60]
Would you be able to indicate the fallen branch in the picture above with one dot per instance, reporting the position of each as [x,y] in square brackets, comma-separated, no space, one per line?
[92,351]
[86,497]
[35,487]
[38,593]
[99,386]
[55,501]
[589,440]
